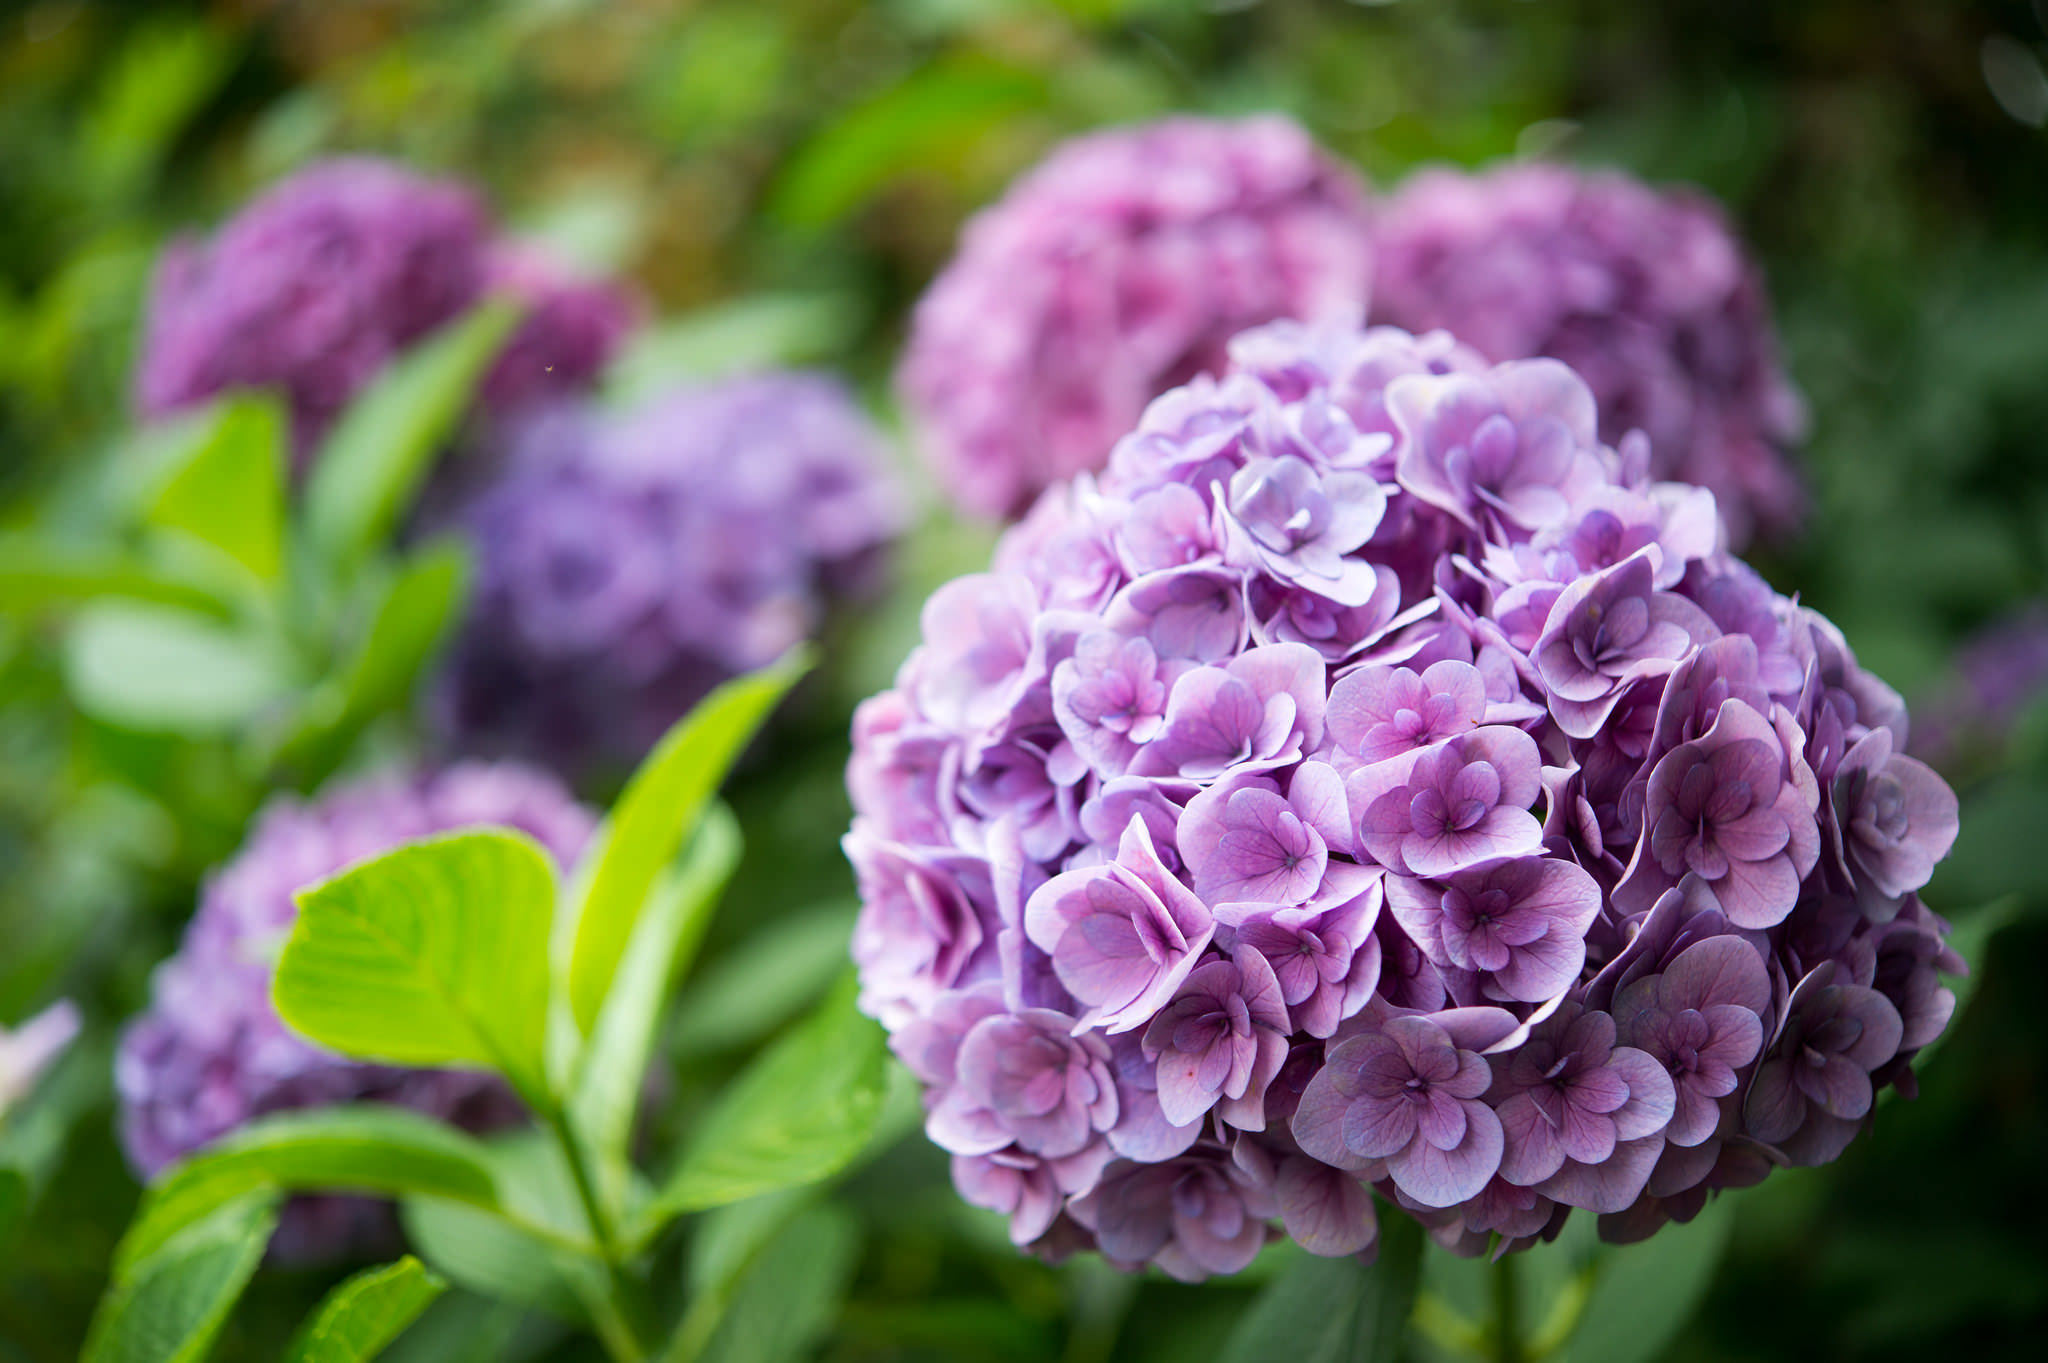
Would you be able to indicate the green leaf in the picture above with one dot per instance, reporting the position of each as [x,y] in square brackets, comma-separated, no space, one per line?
[157,670]
[514,1255]
[614,1064]
[432,954]
[1335,1310]
[790,1295]
[799,1113]
[411,618]
[751,991]
[226,487]
[13,1201]
[168,1307]
[37,574]
[658,810]
[372,1148]
[367,1312]
[367,472]
[1644,1294]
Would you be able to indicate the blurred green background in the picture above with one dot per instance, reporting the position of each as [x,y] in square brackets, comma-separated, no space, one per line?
[782,179]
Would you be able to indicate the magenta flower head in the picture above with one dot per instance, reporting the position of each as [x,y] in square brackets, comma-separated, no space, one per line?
[629,562]
[1374,794]
[1118,268]
[1646,294]
[211,1054]
[320,281]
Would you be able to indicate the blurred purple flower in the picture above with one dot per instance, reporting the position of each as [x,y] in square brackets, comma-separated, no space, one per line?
[211,1055]
[1645,293]
[1116,269]
[628,563]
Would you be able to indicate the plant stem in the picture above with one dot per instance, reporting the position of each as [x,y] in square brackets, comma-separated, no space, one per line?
[1507,1337]
[614,1313]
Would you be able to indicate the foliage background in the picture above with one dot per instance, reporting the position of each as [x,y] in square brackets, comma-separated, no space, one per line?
[782,179]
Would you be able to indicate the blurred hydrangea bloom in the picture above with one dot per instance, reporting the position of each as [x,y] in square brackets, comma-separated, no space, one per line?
[211,1054]
[1116,269]
[1994,680]
[321,280]
[1645,293]
[629,562]
[28,1050]
[1374,783]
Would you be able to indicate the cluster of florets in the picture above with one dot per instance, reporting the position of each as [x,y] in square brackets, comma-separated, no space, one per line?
[627,562]
[1376,783]
[1645,293]
[317,284]
[211,1053]
[1114,270]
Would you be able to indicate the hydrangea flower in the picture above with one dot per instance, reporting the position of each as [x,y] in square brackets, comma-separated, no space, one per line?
[1116,269]
[629,562]
[1645,293]
[1376,794]
[1994,679]
[325,277]
[210,1054]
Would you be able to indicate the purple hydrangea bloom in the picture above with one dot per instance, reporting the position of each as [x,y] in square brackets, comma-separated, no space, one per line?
[1373,787]
[211,1054]
[1113,271]
[1645,293]
[1993,680]
[627,563]
[320,281]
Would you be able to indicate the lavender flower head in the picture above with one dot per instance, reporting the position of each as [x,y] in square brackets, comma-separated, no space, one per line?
[320,281]
[629,562]
[1994,679]
[1646,294]
[1375,792]
[1116,269]
[211,1054]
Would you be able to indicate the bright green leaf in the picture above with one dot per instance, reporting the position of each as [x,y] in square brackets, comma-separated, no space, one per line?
[432,954]
[367,472]
[373,1148]
[156,669]
[227,488]
[513,1256]
[1644,1294]
[169,1307]
[659,808]
[367,1312]
[614,1067]
[1335,1310]
[801,1112]
[38,575]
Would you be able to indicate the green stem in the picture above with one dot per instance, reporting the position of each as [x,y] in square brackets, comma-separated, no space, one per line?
[1507,1336]
[614,1312]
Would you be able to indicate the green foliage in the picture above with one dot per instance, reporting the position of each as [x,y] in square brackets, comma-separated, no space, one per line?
[1335,1310]
[160,670]
[1644,1295]
[225,488]
[369,1149]
[435,954]
[660,806]
[369,468]
[787,1298]
[168,1307]
[799,1113]
[366,1313]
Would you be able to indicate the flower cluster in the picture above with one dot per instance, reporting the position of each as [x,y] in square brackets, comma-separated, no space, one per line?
[629,562]
[1376,783]
[1646,294]
[211,1053]
[1114,270]
[318,283]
